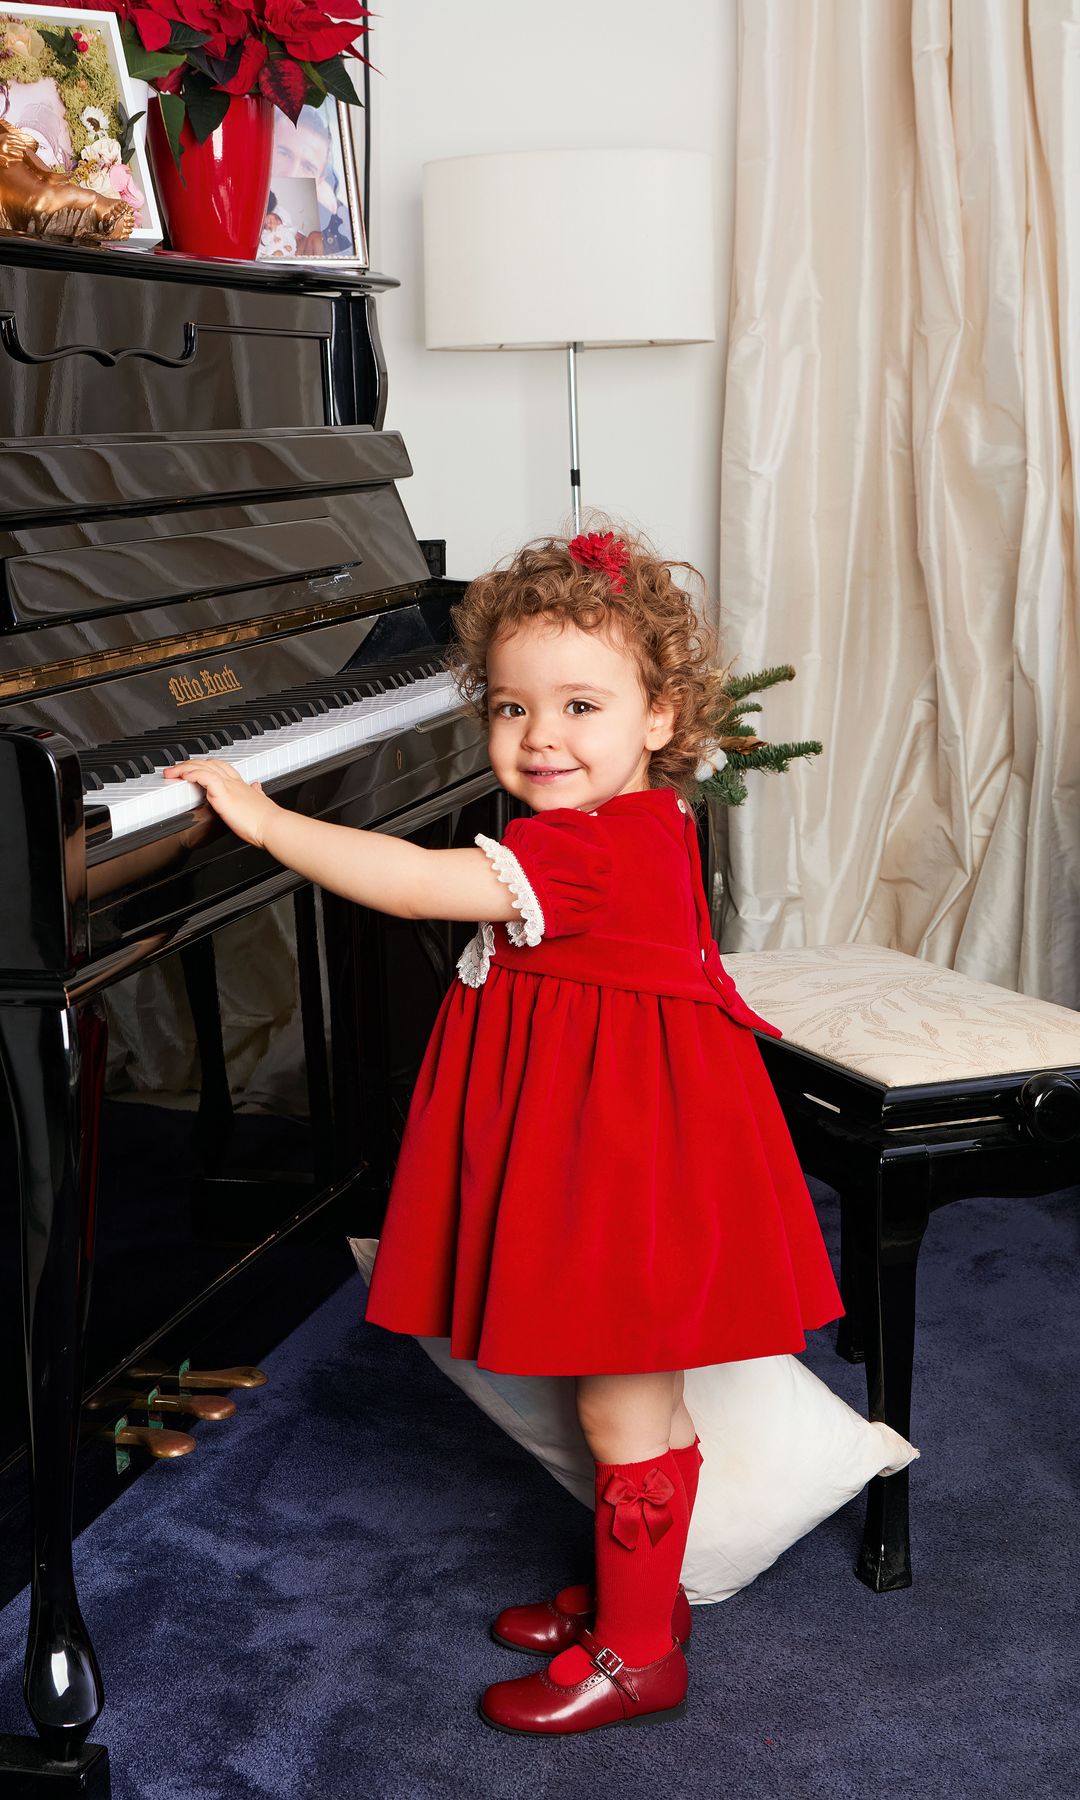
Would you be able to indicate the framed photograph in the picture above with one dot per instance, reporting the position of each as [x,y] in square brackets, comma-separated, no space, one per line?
[315,211]
[64,79]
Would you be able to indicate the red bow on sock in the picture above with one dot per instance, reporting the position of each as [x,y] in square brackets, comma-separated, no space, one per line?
[632,1503]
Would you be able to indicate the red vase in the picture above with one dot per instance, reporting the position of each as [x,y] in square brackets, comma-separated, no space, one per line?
[215,204]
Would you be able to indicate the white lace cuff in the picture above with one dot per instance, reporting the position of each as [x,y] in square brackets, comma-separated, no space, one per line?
[475,959]
[509,870]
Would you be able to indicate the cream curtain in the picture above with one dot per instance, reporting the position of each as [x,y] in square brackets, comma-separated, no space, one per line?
[898,497]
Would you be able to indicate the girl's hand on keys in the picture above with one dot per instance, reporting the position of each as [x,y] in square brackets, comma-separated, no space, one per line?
[241,805]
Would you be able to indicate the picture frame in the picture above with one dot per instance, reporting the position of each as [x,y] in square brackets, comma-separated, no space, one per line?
[316,211]
[51,105]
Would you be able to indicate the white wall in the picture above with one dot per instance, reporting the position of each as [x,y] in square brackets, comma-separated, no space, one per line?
[487,431]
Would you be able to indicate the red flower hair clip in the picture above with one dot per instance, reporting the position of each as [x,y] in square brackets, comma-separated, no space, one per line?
[603,551]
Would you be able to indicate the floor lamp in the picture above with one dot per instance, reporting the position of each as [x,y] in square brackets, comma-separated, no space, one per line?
[569,250]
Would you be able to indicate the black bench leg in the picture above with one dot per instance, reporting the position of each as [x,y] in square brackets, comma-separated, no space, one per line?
[887,1241]
[849,1330]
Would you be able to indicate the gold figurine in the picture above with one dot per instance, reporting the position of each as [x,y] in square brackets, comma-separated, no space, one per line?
[42,202]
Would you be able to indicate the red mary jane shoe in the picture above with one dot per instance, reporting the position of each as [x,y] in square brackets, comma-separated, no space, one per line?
[550,1625]
[614,1694]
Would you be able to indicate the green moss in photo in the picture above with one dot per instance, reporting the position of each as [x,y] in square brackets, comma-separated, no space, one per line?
[32,51]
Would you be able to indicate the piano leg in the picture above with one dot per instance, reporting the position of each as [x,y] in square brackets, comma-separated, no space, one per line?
[889,1233]
[313,1023]
[355,941]
[216,1119]
[54,1064]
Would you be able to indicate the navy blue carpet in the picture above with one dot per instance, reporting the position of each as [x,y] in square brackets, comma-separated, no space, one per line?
[299,1611]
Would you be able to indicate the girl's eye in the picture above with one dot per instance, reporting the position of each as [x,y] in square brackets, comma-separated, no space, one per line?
[501,713]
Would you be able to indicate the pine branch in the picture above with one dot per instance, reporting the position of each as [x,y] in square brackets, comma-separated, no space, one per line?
[776,757]
[737,686]
[726,785]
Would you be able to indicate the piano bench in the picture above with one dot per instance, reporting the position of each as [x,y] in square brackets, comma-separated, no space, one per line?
[905,1086]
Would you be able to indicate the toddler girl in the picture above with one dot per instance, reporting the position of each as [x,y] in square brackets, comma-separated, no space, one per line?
[595,1177]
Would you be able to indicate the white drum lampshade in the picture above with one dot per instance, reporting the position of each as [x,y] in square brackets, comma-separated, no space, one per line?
[544,248]
[569,249]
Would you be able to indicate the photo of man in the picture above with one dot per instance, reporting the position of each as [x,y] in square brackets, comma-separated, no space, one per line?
[311,151]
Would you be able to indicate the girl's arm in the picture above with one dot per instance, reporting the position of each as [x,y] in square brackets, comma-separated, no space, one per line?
[370,867]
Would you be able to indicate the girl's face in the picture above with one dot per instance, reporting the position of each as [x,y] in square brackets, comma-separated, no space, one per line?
[568,724]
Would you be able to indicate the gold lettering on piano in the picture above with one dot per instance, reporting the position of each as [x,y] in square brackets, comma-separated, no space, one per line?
[187,689]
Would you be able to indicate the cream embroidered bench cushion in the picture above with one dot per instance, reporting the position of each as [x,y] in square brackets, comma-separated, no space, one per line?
[899,1020]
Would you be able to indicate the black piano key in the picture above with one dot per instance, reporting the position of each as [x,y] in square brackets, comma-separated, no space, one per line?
[161,751]
[160,758]
[300,709]
[200,742]
[270,715]
[138,763]
[366,685]
[238,721]
[156,755]
[349,688]
[311,703]
[278,717]
[222,731]
[110,764]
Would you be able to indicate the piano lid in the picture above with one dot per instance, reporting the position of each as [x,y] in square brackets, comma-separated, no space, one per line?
[104,526]
[58,478]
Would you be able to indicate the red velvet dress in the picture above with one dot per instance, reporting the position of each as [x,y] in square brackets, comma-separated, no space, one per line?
[596,1176]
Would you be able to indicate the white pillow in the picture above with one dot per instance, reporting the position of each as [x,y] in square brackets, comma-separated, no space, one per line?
[781,1451]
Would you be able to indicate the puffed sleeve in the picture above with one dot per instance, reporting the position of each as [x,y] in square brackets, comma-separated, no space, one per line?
[558,867]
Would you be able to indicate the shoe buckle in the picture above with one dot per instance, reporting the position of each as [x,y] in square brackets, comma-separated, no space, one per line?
[608,1661]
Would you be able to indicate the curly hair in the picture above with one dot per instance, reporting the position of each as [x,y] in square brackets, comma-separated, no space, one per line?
[654,618]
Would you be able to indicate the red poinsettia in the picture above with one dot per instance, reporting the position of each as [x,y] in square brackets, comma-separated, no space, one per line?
[253,53]
[603,551]
[197,53]
[221,22]
[306,31]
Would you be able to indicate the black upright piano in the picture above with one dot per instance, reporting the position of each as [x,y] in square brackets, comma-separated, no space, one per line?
[202,550]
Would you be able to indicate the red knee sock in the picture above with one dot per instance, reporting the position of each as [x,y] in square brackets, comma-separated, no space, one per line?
[689,1459]
[640,1536]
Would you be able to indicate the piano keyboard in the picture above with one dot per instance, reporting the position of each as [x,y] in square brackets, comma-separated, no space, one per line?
[276,737]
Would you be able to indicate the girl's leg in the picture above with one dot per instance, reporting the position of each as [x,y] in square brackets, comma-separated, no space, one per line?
[685,1445]
[683,1433]
[641,1518]
[646,1432]
[626,1418]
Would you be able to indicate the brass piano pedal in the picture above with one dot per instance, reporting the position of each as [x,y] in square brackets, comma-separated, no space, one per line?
[152,1400]
[160,1443]
[203,1379]
[193,1406]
